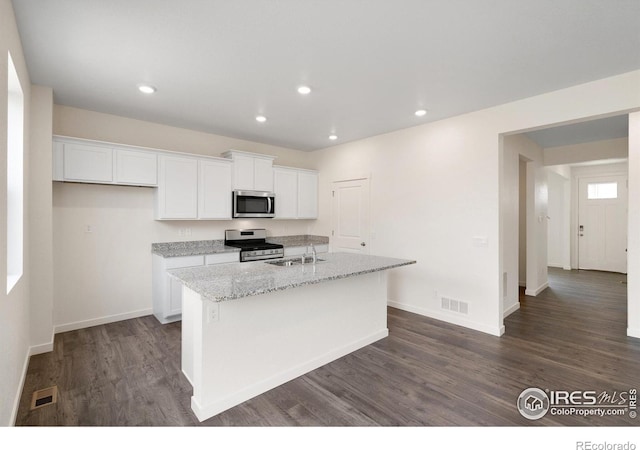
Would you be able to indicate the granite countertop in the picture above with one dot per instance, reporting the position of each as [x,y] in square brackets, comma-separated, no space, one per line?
[236,280]
[192,248]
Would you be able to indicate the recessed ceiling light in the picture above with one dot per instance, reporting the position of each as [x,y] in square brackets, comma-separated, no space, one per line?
[421,112]
[261,119]
[304,90]
[333,137]
[146,88]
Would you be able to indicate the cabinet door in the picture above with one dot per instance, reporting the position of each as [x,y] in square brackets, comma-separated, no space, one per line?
[136,168]
[88,163]
[243,172]
[177,195]
[307,195]
[285,186]
[175,297]
[263,174]
[214,193]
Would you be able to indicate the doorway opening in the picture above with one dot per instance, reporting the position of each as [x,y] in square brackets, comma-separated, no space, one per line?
[556,167]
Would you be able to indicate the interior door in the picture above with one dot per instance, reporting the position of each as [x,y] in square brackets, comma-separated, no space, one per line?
[350,216]
[602,223]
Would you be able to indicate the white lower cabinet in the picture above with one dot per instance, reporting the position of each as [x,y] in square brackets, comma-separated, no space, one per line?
[167,291]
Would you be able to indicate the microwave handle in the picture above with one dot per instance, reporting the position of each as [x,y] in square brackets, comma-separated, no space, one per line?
[269,204]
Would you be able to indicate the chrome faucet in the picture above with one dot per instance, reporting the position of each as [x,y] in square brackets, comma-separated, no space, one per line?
[313,253]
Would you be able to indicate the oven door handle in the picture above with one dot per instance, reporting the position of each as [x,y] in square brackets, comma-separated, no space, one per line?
[269,205]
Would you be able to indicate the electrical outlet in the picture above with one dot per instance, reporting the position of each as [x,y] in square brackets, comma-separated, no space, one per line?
[187,231]
[213,312]
[181,232]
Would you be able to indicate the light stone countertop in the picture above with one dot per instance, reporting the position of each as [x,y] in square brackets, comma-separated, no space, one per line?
[192,248]
[220,282]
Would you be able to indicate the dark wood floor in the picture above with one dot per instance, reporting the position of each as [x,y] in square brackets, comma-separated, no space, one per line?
[427,372]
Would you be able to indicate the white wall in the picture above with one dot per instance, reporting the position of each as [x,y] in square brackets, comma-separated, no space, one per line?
[522,224]
[105,275]
[589,151]
[558,223]
[633,240]
[41,214]
[451,171]
[517,148]
[14,307]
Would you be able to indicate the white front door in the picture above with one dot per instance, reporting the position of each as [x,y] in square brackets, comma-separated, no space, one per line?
[350,216]
[602,223]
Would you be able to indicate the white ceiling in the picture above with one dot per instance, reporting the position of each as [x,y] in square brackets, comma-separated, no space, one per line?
[371,63]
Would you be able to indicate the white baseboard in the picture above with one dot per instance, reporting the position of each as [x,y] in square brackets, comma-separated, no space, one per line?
[633,332]
[23,377]
[522,284]
[566,267]
[449,318]
[535,292]
[100,321]
[203,412]
[41,348]
[510,310]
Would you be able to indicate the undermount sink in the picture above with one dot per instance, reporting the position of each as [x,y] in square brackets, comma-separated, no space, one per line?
[293,261]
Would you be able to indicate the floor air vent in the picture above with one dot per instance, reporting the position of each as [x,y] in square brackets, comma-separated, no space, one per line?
[44,397]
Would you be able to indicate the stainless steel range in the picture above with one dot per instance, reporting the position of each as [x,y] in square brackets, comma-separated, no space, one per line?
[253,244]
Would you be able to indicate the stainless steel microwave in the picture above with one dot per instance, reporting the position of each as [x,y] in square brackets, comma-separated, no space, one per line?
[254,204]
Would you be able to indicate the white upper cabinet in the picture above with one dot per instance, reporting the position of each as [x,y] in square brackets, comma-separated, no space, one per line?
[285,186]
[307,194]
[251,171]
[263,174]
[189,187]
[177,194]
[137,168]
[89,163]
[296,193]
[214,189]
[77,160]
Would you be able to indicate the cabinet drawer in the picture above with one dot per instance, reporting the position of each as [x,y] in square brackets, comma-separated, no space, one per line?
[220,258]
[184,261]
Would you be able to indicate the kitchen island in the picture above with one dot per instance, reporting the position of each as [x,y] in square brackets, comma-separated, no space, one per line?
[249,327]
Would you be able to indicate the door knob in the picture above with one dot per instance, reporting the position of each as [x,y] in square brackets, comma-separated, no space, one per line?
[362,244]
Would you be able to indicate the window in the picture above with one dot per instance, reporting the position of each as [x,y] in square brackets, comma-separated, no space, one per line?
[600,191]
[15,155]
